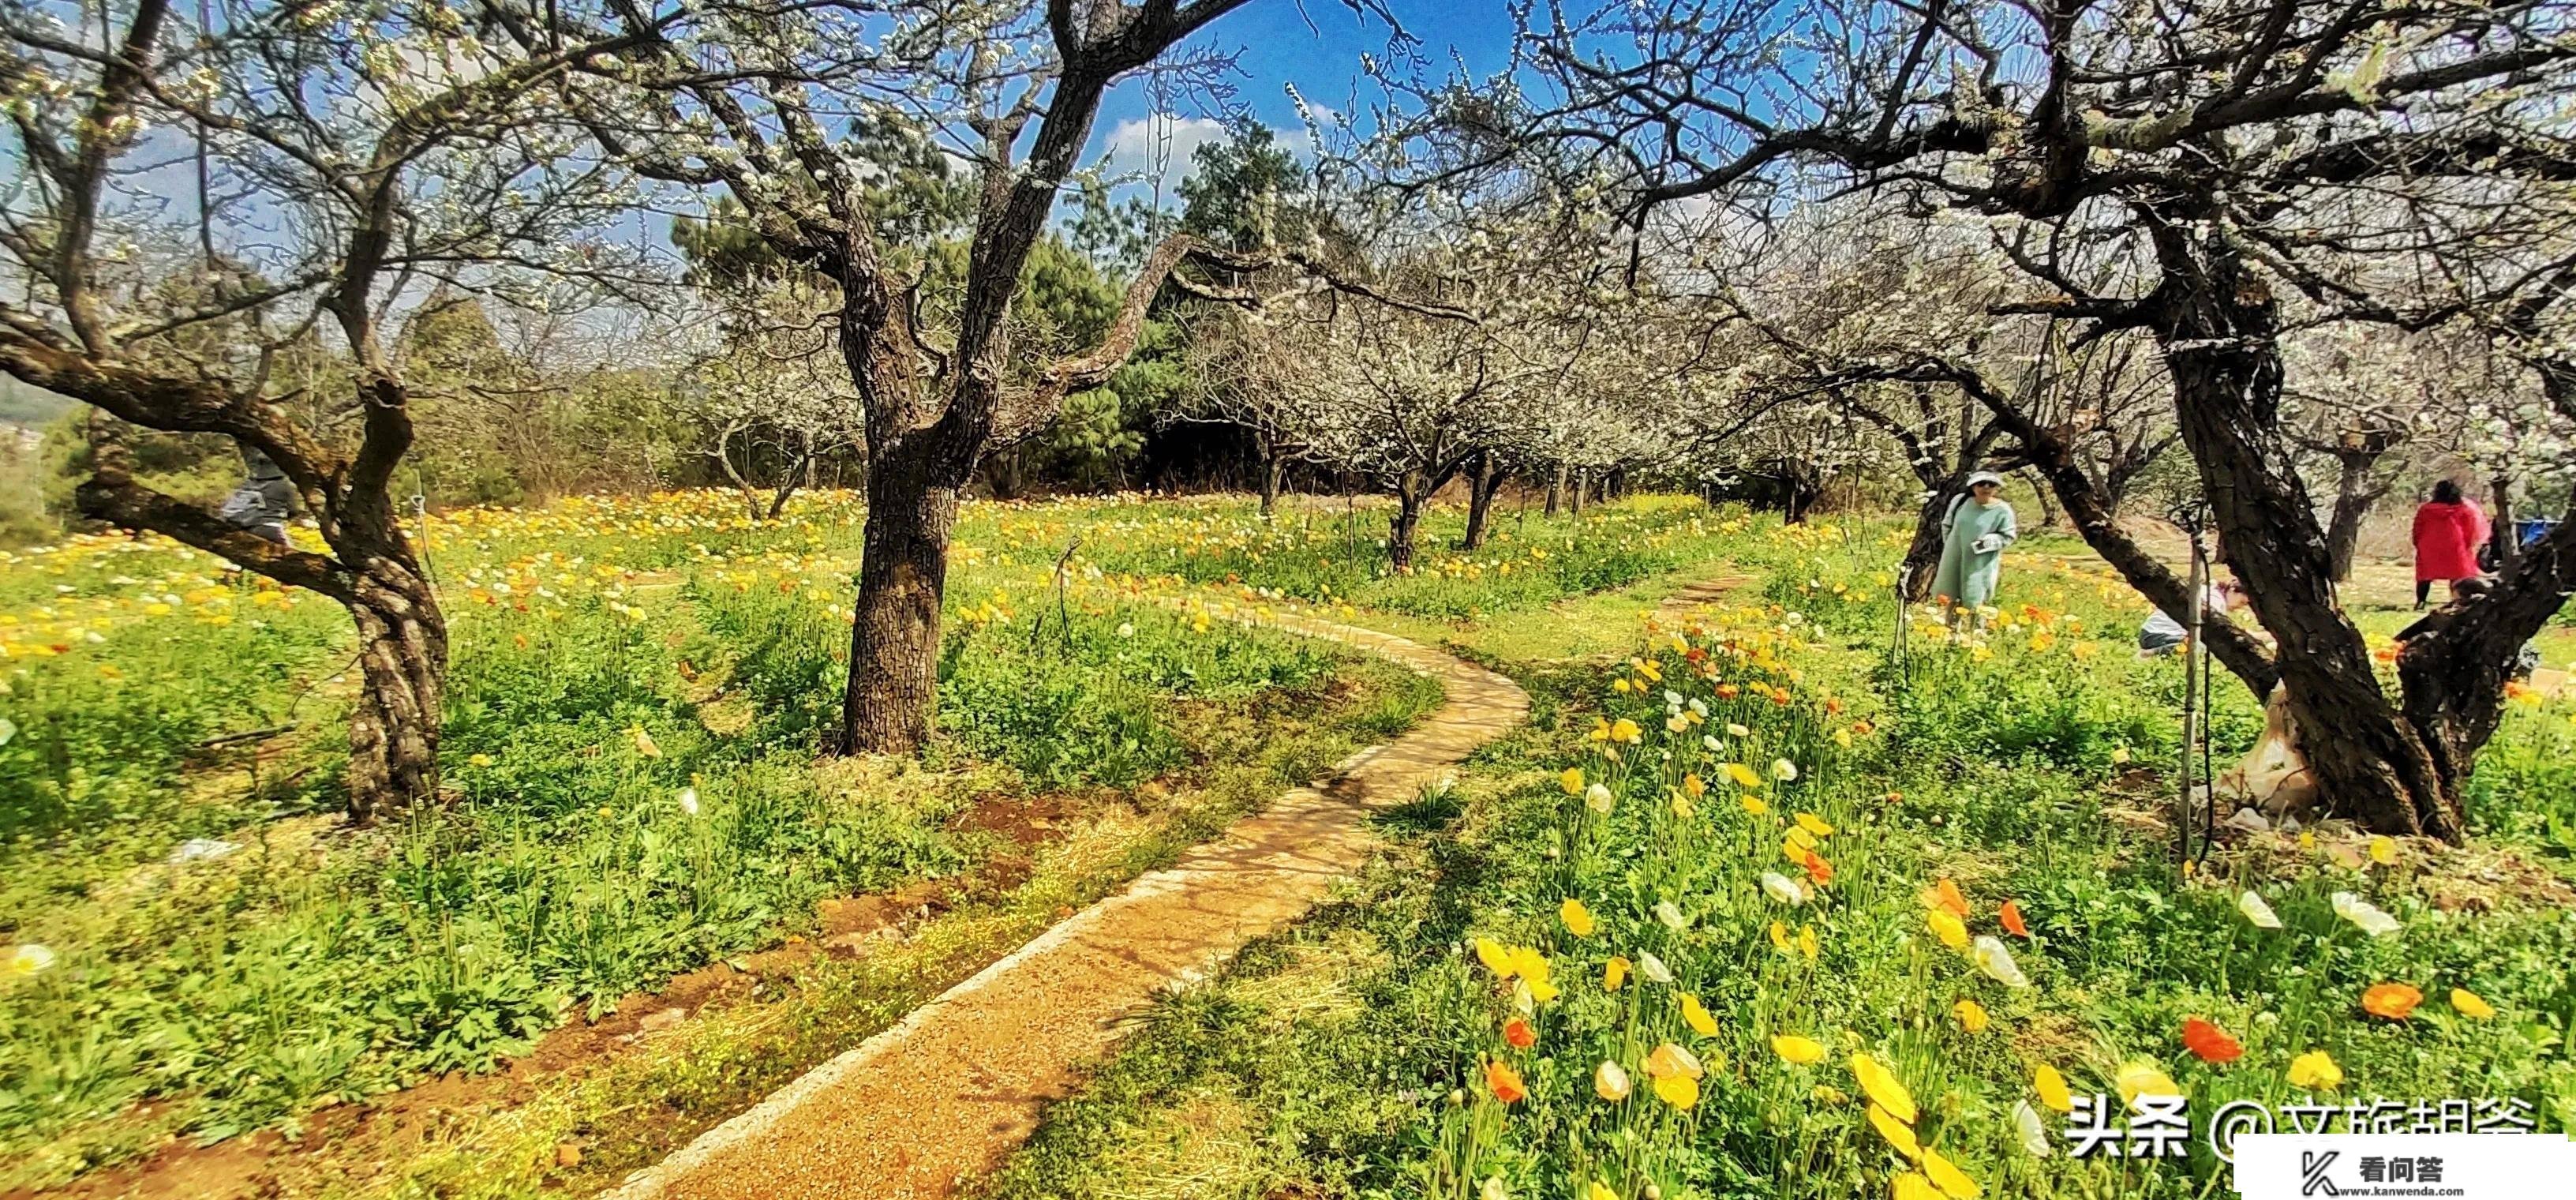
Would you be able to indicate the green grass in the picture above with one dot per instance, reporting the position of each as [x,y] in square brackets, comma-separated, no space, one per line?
[1346,1056]
[637,686]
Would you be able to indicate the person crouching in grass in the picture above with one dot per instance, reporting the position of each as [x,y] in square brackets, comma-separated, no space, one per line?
[2164,634]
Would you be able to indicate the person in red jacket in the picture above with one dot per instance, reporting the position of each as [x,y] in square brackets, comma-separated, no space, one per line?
[2449,528]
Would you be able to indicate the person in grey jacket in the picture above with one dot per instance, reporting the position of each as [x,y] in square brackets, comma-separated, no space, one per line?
[263,502]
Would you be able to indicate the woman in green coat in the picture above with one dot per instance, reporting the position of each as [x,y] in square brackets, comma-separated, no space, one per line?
[1973,536]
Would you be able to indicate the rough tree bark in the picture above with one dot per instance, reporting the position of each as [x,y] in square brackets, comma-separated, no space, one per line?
[888,701]
[1414,488]
[1555,490]
[2218,325]
[2359,487]
[1484,479]
[1582,484]
[2500,516]
[371,571]
[1923,552]
[1274,468]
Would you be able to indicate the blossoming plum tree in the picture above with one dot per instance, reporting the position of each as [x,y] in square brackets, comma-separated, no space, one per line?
[745,103]
[2205,175]
[346,165]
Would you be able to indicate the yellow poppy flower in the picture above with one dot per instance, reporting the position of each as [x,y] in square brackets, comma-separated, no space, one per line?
[1614,973]
[1897,1133]
[1952,1182]
[1571,781]
[1680,1091]
[1807,942]
[1780,937]
[1950,929]
[1529,964]
[2383,850]
[2052,1088]
[1696,1016]
[1578,919]
[1671,1060]
[1971,1015]
[2138,1077]
[1745,777]
[2471,1005]
[2316,1071]
[1913,1186]
[1495,958]
[1882,1087]
[1815,825]
[1753,804]
[1800,1050]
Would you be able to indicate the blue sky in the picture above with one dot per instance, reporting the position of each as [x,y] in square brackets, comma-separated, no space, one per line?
[1314,44]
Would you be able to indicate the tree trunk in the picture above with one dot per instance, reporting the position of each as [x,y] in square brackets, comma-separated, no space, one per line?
[1582,485]
[1555,490]
[1800,489]
[2357,491]
[903,576]
[2219,327]
[1482,482]
[1409,494]
[1274,465]
[402,659]
[1923,554]
[1003,474]
[2048,504]
[799,472]
[371,571]
[2500,491]
[741,481]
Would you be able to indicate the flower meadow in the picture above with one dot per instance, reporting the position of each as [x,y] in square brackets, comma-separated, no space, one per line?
[198,948]
[1763,908]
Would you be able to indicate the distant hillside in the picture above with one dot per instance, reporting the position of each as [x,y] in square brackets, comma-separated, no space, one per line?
[28,406]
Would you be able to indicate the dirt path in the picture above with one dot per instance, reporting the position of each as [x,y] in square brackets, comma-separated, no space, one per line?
[1696,596]
[944,1095]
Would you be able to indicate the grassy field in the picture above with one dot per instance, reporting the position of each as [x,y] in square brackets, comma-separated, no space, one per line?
[638,816]
[1729,918]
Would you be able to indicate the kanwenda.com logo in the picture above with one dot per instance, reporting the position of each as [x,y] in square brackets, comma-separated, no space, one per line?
[2378,1176]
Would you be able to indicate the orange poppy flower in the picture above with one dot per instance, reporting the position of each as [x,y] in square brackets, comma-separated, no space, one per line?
[2012,919]
[1519,1034]
[1946,897]
[2209,1042]
[1818,869]
[1504,1082]
[2395,1001]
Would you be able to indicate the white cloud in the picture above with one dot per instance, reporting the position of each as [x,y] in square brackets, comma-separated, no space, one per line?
[1138,147]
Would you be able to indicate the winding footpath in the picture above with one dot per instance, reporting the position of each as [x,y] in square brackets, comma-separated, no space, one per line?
[941,1097]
